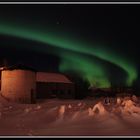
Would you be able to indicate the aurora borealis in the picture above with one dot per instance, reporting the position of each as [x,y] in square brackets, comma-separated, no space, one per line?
[91,60]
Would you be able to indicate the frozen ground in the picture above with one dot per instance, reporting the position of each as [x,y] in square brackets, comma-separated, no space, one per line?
[89,117]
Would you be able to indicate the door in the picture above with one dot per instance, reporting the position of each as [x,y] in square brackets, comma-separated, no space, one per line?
[32,96]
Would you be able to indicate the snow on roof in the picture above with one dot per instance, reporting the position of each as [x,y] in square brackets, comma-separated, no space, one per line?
[18,67]
[51,77]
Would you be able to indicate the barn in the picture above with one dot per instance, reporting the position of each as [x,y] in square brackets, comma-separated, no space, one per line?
[51,85]
[23,84]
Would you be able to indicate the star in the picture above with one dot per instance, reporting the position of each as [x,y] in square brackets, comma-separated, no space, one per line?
[57,22]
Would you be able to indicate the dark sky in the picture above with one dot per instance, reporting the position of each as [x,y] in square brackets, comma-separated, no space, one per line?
[111,24]
[114,26]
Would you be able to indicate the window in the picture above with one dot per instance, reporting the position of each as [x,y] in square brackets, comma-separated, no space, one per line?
[61,92]
[69,92]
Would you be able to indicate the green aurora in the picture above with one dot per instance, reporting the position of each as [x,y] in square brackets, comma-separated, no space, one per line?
[88,69]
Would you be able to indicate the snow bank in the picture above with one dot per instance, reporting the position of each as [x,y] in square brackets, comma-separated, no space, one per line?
[71,117]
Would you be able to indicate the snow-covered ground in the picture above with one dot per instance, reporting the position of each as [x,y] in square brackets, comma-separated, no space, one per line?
[54,117]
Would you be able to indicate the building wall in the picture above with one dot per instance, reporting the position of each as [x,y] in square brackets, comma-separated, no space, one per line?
[60,90]
[18,85]
[0,80]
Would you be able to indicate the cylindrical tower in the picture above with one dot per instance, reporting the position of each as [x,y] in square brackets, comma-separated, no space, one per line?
[19,85]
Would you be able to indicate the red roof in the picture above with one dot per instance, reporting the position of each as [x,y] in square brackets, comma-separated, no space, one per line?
[52,77]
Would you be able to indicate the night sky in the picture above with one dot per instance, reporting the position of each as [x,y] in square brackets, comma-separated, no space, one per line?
[99,43]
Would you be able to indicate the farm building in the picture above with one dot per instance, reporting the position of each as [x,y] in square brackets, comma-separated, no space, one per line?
[18,83]
[49,85]
[23,84]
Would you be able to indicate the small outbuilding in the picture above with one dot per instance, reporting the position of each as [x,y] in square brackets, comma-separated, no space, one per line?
[50,85]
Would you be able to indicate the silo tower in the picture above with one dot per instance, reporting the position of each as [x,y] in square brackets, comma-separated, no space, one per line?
[18,84]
